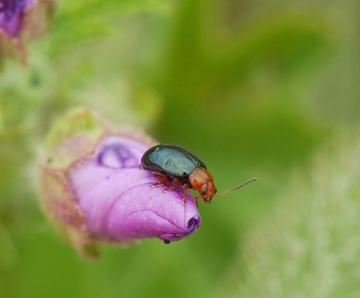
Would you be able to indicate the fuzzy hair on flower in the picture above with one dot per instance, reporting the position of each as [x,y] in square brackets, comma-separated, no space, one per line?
[94,191]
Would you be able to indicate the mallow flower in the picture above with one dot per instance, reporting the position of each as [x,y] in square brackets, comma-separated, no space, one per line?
[12,15]
[94,191]
[20,20]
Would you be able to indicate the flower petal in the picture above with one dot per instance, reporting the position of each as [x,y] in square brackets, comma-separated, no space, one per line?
[151,213]
[12,14]
[20,22]
[118,202]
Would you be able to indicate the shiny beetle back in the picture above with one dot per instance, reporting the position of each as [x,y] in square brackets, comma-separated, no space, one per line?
[172,160]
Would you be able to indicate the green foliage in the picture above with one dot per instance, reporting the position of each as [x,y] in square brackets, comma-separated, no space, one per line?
[83,22]
[309,246]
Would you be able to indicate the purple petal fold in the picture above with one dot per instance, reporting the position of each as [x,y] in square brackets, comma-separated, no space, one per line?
[118,202]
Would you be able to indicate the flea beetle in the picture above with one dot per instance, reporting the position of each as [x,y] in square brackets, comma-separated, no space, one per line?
[178,166]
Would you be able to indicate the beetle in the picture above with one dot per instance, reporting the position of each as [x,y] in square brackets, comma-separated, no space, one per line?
[180,167]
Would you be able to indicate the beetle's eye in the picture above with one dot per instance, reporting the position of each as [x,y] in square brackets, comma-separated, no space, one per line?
[203,191]
[215,191]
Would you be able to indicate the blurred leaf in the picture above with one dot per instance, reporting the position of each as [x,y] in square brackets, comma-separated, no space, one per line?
[310,246]
[7,250]
[208,57]
[230,87]
[79,22]
[22,90]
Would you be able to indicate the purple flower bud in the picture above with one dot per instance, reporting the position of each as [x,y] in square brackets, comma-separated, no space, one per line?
[22,19]
[93,190]
[116,196]
[12,13]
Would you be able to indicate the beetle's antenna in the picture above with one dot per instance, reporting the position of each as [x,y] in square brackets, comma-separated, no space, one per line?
[236,188]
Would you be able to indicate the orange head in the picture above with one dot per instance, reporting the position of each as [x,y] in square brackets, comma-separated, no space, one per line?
[203,182]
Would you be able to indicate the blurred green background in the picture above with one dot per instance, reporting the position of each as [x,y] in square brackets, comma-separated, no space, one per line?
[253,88]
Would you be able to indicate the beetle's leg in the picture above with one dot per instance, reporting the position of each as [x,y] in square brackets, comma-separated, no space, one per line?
[197,200]
[175,183]
[157,184]
[185,196]
[186,187]
[163,179]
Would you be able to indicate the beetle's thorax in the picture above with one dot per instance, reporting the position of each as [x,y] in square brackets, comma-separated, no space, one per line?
[203,182]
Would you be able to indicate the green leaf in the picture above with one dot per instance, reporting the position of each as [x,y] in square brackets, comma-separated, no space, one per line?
[80,23]
[310,246]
